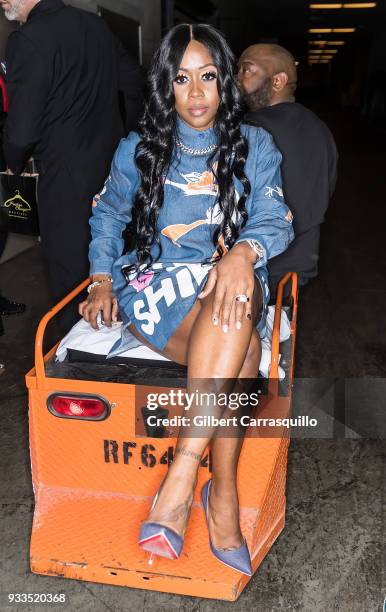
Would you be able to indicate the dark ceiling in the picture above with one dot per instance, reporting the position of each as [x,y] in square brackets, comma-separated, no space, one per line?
[286,22]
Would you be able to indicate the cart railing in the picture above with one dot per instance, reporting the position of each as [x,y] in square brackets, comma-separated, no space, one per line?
[273,372]
[39,357]
[274,367]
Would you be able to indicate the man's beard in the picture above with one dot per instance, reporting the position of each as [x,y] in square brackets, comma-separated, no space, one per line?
[14,13]
[261,97]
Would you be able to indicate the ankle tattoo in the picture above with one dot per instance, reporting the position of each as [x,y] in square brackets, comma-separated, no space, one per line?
[188,453]
[179,512]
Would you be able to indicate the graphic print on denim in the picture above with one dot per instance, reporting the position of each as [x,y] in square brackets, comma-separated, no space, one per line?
[158,301]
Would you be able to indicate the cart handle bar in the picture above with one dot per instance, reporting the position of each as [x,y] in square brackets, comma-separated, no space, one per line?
[274,368]
[39,358]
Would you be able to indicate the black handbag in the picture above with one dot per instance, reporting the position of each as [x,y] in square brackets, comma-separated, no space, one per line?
[18,202]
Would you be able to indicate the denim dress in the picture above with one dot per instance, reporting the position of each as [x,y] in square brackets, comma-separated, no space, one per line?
[158,300]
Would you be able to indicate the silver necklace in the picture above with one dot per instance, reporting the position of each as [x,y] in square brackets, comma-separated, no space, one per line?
[191,151]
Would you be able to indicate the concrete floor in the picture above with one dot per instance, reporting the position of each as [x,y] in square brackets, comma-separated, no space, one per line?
[17,243]
[328,558]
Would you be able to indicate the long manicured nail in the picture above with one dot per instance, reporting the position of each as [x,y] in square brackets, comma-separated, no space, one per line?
[225,328]
[238,324]
[215,320]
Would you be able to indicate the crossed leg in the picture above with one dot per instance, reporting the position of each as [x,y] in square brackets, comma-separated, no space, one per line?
[209,354]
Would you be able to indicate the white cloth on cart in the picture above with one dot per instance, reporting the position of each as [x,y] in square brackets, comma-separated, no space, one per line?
[82,337]
[266,343]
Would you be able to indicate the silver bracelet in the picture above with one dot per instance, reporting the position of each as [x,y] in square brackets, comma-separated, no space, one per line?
[257,248]
[98,283]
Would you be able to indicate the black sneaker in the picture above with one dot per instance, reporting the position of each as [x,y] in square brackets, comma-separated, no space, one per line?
[7,307]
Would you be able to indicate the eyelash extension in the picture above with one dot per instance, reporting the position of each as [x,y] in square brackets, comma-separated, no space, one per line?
[182,76]
[211,74]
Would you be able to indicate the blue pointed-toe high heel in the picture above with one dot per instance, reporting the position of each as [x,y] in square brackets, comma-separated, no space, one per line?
[238,558]
[159,539]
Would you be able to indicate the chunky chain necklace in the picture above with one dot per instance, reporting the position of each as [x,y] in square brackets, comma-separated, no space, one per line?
[191,151]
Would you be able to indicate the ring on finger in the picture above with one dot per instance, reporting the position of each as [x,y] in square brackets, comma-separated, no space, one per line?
[241,297]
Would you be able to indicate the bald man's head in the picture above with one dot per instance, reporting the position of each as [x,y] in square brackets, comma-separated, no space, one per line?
[267,75]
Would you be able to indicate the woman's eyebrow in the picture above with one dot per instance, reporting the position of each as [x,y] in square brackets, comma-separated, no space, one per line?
[200,67]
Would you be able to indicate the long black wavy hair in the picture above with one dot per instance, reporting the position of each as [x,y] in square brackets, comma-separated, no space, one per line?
[158,134]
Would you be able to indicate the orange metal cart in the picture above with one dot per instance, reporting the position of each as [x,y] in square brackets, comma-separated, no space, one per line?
[94,482]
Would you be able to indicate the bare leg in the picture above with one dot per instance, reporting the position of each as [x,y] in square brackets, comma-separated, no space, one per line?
[224,521]
[196,343]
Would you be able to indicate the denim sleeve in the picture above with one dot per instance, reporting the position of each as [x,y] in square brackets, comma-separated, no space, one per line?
[269,219]
[112,208]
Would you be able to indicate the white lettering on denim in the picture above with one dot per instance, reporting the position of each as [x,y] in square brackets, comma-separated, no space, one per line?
[185,284]
[197,271]
[166,291]
[271,190]
[142,316]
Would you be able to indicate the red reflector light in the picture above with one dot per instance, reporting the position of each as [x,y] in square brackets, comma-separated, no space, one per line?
[77,407]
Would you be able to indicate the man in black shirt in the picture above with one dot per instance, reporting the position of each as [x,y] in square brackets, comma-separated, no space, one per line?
[267,77]
[64,73]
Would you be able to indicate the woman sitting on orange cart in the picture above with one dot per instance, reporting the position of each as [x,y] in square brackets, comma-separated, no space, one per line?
[204,194]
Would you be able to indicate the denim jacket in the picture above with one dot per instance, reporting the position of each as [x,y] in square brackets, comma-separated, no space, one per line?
[189,214]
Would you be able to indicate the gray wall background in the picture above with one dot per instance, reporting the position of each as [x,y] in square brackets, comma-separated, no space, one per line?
[146,12]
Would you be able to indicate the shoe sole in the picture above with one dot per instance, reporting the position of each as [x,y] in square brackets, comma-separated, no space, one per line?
[159,544]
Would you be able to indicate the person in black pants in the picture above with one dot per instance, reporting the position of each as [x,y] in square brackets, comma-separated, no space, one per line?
[64,73]
[7,306]
[267,77]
